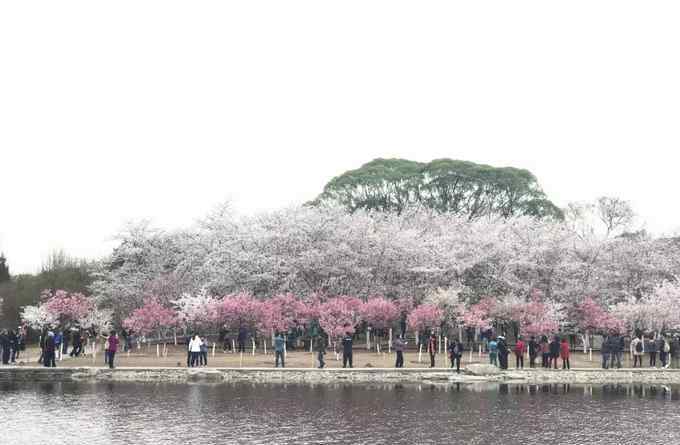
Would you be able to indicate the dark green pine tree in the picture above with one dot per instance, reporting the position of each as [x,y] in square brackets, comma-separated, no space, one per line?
[4,269]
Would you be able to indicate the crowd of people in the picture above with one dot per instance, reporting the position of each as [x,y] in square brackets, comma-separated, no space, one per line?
[667,349]
[545,352]
[12,343]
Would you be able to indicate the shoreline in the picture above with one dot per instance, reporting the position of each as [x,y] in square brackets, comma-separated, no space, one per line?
[470,375]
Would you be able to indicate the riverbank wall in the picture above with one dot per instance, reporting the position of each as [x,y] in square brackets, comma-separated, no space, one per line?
[472,374]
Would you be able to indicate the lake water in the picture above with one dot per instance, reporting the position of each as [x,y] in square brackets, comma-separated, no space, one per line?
[121,413]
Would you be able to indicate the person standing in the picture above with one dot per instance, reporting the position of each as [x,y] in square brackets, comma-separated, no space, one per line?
[519,353]
[64,348]
[545,352]
[242,337]
[455,354]
[195,349]
[664,351]
[675,352]
[204,351]
[41,345]
[605,351]
[321,351]
[187,340]
[650,347]
[12,346]
[106,348]
[4,344]
[502,352]
[616,350]
[58,341]
[279,343]
[21,341]
[347,350]
[77,344]
[533,351]
[564,353]
[637,350]
[493,352]
[48,359]
[399,346]
[432,348]
[113,348]
[554,352]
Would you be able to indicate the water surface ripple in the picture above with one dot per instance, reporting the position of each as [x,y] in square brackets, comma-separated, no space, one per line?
[152,414]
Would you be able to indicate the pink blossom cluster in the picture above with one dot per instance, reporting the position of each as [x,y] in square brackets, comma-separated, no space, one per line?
[151,317]
[340,315]
[67,307]
[479,315]
[591,317]
[380,313]
[424,317]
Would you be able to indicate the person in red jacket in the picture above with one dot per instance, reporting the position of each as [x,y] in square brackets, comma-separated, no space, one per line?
[432,348]
[564,353]
[520,348]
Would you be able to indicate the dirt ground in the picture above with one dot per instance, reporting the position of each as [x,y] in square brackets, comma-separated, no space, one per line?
[176,356]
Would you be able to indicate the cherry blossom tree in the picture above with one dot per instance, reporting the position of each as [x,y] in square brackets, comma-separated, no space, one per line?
[380,314]
[479,315]
[283,312]
[591,318]
[656,312]
[99,320]
[197,311]
[452,304]
[238,311]
[37,317]
[425,317]
[309,251]
[152,317]
[68,308]
[340,315]
[538,318]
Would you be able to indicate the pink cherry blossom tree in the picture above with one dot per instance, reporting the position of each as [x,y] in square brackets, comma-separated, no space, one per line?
[340,315]
[425,317]
[536,317]
[591,318]
[67,308]
[152,317]
[239,311]
[283,312]
[479,315]
[380,314]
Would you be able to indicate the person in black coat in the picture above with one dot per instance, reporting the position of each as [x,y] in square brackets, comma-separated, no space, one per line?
[502,353]
[242,336]
[455,353]
[554,351]
[533,351]
[321,346]
[616,347]
[4,343]
[13,346]
[49,359]
[77,344]
[347,350]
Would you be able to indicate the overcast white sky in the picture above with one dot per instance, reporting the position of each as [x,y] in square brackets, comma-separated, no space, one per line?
[116,111]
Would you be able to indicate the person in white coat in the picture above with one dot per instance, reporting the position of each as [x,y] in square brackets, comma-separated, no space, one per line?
[195,349]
